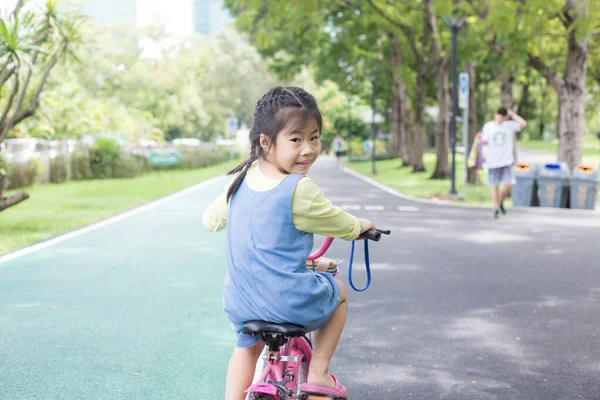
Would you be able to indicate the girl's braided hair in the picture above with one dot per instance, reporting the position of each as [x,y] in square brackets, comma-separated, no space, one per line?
[279,108]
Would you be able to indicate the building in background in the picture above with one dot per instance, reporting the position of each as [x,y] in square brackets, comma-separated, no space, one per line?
[107,10]
[209,16]
[181,18]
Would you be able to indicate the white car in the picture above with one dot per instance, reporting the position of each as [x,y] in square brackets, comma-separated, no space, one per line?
[24,149]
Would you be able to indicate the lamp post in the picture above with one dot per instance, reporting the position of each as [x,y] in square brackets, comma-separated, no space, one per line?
[455,24]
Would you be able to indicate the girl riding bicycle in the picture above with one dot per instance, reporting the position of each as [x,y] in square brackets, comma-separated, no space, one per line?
[272,211]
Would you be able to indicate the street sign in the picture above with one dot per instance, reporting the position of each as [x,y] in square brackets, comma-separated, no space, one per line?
[164,158]
[463,90]
[232,124]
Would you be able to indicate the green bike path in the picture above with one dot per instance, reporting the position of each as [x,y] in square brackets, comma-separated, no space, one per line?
[127,311]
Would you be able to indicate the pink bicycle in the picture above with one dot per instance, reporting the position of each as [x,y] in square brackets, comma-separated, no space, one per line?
[288,349]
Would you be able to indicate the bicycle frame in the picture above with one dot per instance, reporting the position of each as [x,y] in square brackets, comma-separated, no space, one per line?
[282,374]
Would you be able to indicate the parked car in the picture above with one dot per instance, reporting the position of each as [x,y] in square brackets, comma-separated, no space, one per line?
[143,147]
[64,147]
[25,149]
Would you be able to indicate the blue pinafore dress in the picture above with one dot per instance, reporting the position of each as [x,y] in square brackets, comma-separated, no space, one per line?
[266,275]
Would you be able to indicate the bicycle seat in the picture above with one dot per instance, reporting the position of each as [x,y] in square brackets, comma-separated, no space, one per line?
[286,329]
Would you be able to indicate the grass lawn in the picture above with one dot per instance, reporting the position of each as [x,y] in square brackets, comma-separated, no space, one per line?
[419,184]
[591,148]
[57,208]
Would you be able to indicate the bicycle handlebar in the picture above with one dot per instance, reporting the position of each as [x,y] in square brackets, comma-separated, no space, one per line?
[374,234]
[371,234]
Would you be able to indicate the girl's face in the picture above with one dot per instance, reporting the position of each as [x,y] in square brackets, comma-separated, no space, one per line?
[295,150]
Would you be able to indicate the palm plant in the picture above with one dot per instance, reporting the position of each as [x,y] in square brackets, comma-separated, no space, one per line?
[33,39]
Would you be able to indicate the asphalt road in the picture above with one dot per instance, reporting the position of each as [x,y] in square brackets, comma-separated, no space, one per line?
[462,306]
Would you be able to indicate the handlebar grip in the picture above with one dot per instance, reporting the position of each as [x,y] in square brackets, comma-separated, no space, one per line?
[373,234]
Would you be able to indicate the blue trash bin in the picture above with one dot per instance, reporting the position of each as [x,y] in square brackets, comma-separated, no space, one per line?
[584,187]
[524,192]
[553,185]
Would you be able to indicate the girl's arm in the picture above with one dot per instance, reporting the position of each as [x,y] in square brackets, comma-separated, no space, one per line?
[313,212]
[215,216]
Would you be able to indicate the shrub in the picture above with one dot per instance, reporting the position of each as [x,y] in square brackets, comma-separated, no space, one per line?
[127,166]
[104,155]
[202,158]
[80,166]
[3,165]
[59,169]
[22,174]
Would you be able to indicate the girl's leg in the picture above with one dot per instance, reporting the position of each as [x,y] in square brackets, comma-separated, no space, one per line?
[325,341]
[241,371]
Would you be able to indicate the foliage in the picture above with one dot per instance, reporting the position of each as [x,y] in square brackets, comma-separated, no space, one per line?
[104,155]
[32,43]
[127,166]
[3,165]
[80,166]
[24,174]
[202,158]
[59,169]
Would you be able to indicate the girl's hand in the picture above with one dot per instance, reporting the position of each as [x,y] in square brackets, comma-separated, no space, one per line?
[322,264]
[365,225]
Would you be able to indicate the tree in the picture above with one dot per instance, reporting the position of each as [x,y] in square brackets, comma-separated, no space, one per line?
[553,38]
[570,86]
[31,45]
[352,42]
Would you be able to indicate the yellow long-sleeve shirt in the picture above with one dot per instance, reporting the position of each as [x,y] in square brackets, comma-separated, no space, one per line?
[311,211]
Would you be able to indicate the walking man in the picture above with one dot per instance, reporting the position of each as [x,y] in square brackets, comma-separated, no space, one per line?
[499,136]
[338,147]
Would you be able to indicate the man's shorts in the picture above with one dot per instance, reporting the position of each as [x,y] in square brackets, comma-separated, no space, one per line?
[339,154]
[505,175]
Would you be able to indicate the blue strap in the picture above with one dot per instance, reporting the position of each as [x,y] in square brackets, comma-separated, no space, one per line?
[367,264]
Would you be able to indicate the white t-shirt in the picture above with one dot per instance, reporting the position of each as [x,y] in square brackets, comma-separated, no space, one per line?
[338,145]
[500,141]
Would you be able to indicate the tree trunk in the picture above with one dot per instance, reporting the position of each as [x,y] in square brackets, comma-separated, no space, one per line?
[442,136]
[419,138]
[543,109]
[484,101]
[506,86]
[395,123]
[12,200]
[473,126]
[6,202]
[407,132]
[571,97]
[571,126]
[523,107]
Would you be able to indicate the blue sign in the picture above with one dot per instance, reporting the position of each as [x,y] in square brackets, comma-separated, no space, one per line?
[463,90]
[463,83]
[232,124]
